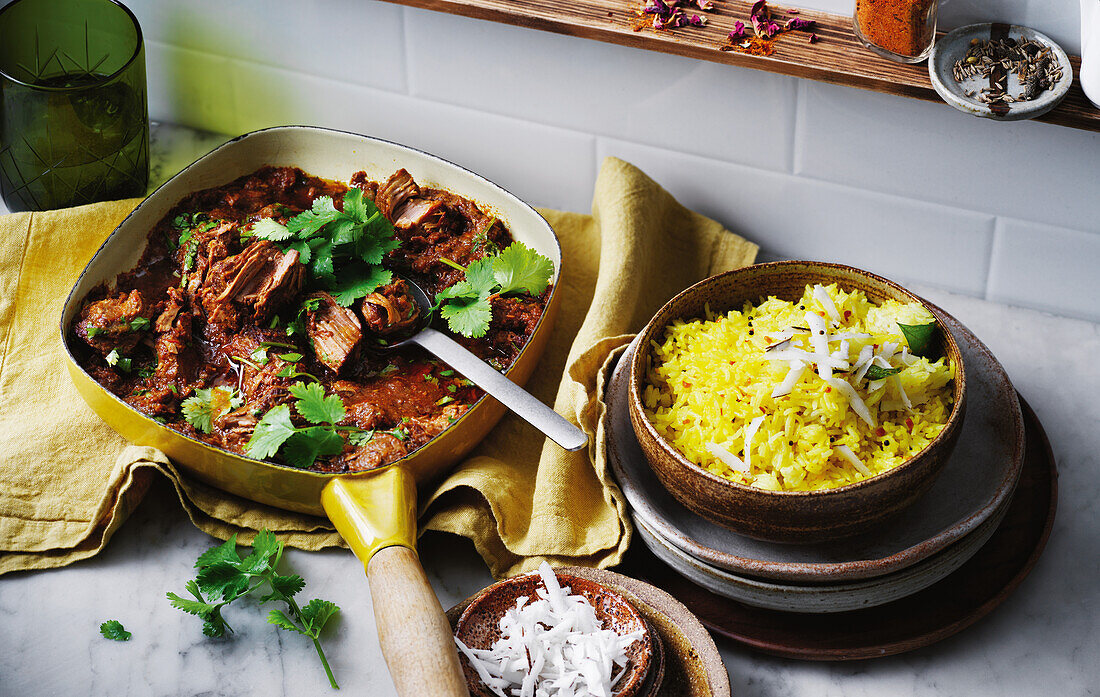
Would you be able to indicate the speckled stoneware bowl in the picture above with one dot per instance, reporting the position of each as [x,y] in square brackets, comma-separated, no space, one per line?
[479,627]
[789,516]
[954,45]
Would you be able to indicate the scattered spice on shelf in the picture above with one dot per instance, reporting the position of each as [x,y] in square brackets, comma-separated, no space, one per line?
[673,14]
[766,29]
[1032,61]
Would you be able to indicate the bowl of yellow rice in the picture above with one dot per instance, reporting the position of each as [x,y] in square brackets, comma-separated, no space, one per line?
[797,401]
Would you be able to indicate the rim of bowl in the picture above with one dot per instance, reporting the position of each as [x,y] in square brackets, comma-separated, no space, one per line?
[952,423]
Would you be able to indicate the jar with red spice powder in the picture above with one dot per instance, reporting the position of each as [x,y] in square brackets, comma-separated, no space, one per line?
[901,30]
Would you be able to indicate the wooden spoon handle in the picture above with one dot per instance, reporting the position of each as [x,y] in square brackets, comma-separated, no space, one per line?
[415,636]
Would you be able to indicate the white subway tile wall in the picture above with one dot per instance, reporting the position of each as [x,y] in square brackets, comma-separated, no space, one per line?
[912,190]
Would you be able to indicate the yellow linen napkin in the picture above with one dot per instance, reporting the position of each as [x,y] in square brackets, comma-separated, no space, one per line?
[67,481]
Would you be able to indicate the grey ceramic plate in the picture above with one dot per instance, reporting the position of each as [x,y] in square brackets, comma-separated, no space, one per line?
[953,46]
[977,479]
[823,597]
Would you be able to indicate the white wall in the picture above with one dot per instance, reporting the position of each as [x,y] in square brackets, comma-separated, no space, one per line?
[913,190]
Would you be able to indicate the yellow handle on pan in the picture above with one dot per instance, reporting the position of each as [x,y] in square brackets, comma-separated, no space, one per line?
[376,514]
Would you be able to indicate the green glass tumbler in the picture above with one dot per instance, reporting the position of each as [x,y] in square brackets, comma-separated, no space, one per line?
[74,119]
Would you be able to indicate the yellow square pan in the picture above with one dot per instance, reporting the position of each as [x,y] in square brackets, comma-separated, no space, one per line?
[375,512]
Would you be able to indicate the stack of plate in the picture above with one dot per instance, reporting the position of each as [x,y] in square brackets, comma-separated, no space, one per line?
[923,545]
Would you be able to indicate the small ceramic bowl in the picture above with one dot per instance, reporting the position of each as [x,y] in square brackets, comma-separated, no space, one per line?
[789,516]
[954,45]
[479,627]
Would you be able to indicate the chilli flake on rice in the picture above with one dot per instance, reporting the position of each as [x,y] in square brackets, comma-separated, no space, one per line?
[814,394]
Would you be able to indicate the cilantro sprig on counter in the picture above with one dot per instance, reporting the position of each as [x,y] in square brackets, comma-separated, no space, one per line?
[223,577]
[466,305]
[343,249]
[113,630]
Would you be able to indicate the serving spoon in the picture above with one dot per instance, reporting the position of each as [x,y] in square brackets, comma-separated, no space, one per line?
[511,395]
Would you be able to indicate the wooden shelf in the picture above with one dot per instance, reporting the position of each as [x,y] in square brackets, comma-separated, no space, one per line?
[838,58]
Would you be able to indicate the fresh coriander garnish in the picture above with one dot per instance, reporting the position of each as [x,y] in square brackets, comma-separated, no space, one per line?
[360,437]
[117,360]
[207,405]
[466,305]
[876,372]
[139,324]
[290,372]
[300,446]
[259,355]
[113,630]
[224,577]
[343,249]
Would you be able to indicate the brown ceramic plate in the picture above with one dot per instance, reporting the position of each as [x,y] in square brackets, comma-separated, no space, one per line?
[976,480]
[919,620]
[692,664]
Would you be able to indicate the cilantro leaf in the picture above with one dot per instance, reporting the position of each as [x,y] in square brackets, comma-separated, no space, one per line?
[356,206]
[224,553]
[480,275]
[269,229]
[305,252]
[272,431]
[113,629]
[208,404]
[356,281]
[284,586]
[374,248]
[304,447]
[316,614]
[266,545]
[191,607]
[521,269]
[468,317]
[360,437]
[222,580]
[463,290]
[308,223]
[280,620]
[314,406]
[138,324]
[322,260]
[345,231]
[875,372]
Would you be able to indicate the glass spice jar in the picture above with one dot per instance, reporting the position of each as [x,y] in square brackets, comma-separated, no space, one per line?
[901,30]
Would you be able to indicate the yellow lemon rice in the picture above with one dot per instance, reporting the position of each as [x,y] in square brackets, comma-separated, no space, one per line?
[710,386]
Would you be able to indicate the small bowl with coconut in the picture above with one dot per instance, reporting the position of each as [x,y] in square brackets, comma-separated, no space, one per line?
[797,401]
[550,633]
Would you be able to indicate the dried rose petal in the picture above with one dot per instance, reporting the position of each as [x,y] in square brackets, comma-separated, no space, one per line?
[792,12]
[705,5]
[800,24]
[738,32]
[772,29]
[757,25]
[656,7]
[697,21]
[814,38]
[757,7]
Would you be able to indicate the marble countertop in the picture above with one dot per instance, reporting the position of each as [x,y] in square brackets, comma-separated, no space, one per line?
[1044,638]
